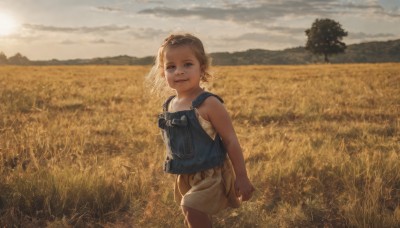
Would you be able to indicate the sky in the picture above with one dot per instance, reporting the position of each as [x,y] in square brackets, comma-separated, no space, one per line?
[69,29]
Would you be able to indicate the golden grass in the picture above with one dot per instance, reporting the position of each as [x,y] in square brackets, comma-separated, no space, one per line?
[79,146]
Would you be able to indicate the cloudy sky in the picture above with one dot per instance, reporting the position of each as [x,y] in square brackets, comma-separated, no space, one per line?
[66,29]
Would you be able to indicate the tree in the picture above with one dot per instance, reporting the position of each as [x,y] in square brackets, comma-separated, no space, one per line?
[18,59]
[324,38]
[3,59]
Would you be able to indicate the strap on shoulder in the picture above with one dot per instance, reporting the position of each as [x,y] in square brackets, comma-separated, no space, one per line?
[202,97]
[166,103]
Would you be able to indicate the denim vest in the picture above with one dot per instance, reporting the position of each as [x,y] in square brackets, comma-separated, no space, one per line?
[189,148]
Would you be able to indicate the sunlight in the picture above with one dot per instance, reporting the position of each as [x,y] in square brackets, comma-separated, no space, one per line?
[7,24]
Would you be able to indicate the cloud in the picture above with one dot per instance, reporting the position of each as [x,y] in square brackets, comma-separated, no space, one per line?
[234,13]
[68,42]
[146,33]
[84,29]
[361,35]
[149,1]
[370,9]
[263,40]
[138,33]
[244,13]
[108,9]
[22,36]
[266,12]
[126,33]
[279,29]
[263,37]
[103,41]
[94,41]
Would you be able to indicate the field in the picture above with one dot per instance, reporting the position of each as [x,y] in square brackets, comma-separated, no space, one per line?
[79,146]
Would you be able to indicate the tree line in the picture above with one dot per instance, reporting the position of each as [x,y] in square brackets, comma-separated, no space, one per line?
[16,59]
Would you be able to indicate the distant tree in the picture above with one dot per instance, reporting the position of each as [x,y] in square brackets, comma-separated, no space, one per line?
[18,59]
[324,38]
[3,59]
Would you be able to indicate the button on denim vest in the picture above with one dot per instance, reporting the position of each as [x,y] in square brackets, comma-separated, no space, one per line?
[189,148]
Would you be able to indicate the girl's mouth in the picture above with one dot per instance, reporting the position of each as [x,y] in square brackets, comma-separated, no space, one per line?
[181,80]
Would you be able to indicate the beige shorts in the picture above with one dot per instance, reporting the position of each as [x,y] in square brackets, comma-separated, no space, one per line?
[208,191]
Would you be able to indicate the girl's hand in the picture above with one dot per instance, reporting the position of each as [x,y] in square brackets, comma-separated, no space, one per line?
[244,188]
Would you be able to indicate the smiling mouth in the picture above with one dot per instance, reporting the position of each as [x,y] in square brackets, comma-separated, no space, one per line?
[182,80]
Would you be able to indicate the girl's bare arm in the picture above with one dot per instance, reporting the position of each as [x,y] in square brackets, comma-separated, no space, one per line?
[214,111]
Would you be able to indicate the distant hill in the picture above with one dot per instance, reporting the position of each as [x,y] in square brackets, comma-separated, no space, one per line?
[368,52]
[117,60]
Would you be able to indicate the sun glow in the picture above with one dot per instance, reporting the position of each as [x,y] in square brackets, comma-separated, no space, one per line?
[7,24]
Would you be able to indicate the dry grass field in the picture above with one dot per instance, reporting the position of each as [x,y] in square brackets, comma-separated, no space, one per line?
[79,146]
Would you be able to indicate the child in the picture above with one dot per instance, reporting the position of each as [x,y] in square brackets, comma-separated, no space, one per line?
[202,146]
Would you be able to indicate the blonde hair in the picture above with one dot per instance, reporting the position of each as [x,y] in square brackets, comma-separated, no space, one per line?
[156,75]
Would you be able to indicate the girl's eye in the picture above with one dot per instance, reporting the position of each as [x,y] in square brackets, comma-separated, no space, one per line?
[188,64]
[170,67]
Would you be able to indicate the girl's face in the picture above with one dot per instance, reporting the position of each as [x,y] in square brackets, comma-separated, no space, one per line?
[182,69]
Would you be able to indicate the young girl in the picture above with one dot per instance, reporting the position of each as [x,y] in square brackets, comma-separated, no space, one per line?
[202,146]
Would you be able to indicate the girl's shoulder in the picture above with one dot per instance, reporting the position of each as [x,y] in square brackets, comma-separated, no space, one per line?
[213,101]
[166,103]
[211,105]
[205,97]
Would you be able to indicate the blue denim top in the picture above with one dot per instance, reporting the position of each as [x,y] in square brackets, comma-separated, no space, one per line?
[189,148]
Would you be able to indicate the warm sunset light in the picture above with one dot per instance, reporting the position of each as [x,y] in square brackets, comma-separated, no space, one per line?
[7,24]
[49,29]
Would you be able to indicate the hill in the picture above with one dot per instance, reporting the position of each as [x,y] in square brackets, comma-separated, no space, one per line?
[368,52]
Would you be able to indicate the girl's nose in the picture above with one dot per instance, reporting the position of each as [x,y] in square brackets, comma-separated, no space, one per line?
[179,70]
